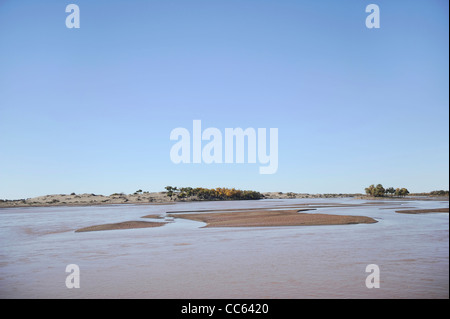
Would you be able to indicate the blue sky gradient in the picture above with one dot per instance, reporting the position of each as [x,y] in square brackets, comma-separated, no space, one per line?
[91,109]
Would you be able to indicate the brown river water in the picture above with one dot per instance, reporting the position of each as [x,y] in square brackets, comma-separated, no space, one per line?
[184,260]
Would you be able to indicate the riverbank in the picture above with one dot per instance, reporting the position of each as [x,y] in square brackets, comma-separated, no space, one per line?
[161,198]
[154,198]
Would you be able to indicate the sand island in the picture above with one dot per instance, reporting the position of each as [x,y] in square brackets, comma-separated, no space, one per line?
[266,218]
[423,211]
[122,225]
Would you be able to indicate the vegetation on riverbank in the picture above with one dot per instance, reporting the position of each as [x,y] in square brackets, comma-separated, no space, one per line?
[380,191]
[218,193]
[175,194]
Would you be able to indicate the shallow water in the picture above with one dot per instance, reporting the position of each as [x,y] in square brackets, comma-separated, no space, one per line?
[183,260]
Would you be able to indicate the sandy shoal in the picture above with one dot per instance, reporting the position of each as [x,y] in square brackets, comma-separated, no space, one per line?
[423,211]
[261,218]
[122,225]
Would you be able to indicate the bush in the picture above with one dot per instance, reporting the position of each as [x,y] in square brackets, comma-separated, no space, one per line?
[439,193]
[117,194]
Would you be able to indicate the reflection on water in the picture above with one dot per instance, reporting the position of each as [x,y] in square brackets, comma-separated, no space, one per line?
[183,260]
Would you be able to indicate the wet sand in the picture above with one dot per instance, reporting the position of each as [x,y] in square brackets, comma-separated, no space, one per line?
[122,225]
[423,211]
[262,218]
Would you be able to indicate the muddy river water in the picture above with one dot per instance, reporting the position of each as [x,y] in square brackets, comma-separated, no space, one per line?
[182,259]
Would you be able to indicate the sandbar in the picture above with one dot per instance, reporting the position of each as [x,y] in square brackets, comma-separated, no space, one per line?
[423,211]
[122,225]
[262,218]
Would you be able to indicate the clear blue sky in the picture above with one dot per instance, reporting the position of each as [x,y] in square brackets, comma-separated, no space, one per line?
[91,109]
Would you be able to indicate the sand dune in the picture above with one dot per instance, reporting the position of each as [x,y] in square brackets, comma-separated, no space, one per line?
[88,200]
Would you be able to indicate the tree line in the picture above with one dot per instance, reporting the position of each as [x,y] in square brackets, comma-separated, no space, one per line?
[380,191]
[218,193]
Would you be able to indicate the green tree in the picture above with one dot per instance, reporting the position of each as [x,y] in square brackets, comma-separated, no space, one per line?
[390,190]
[403,192]
[375,191]
[186,192]
[379,191]
[370,190]
[170,190]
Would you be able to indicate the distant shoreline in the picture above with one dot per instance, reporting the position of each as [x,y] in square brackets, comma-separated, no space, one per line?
[161,198]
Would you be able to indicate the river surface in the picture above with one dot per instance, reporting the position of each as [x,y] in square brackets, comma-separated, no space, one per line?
[183,260]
